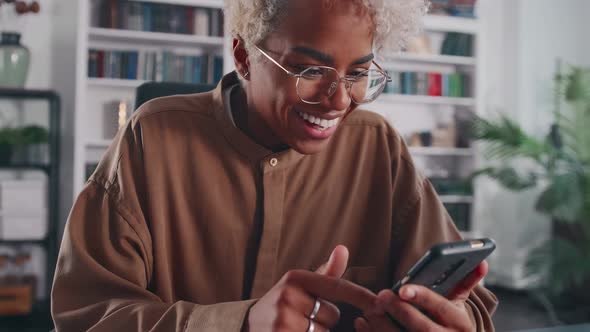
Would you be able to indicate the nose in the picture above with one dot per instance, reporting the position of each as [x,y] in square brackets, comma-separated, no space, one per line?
[338,96]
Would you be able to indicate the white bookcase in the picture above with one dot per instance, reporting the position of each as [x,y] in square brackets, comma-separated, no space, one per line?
[408,113]
[93,93]
[415,113]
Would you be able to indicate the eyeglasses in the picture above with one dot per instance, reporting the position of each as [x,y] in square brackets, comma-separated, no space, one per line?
[317,82]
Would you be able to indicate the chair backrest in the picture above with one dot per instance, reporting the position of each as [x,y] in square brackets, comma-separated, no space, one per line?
[151,90]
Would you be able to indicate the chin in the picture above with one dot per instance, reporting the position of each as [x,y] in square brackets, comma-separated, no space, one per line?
[309,148]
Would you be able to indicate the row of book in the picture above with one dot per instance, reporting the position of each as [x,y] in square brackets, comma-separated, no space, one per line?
[154,17]
[429,84]
[163,66]
[462,8]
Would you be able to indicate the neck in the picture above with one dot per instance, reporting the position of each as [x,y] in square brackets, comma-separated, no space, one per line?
[252,124]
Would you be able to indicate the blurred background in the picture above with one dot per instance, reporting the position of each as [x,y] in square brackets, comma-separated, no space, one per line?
[493,100]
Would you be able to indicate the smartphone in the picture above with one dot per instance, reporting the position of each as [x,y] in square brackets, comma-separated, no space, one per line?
[445,265]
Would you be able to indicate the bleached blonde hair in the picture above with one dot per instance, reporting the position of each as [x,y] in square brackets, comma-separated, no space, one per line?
[395,21]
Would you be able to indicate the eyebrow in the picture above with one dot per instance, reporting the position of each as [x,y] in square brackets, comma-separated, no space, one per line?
[327,59]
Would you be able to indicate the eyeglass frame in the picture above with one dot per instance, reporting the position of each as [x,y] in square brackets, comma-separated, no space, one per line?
[347,81]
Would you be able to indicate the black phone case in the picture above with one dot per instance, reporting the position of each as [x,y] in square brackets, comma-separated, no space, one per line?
[445,265]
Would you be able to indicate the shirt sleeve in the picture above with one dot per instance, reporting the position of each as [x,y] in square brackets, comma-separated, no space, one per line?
[422,221]
[103,273]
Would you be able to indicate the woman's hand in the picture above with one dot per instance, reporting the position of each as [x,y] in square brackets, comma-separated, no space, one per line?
[290,303]
[440,313]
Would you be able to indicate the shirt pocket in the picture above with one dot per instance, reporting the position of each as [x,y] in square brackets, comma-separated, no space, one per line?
[365,276]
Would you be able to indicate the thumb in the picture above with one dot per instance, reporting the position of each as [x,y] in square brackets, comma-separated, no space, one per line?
[336,264]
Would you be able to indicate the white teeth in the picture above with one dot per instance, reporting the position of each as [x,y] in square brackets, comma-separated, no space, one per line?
[323,123]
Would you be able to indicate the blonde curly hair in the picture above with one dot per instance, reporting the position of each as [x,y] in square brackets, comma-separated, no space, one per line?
[395,21]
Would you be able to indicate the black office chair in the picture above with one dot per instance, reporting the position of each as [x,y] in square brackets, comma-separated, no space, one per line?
[151,90]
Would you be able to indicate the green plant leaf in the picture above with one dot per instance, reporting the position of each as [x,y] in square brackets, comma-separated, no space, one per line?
[562,198]
[508,177]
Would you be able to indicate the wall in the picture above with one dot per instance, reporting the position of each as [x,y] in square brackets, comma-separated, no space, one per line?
[523,40]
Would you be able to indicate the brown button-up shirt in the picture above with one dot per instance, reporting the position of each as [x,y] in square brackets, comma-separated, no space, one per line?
[187,220]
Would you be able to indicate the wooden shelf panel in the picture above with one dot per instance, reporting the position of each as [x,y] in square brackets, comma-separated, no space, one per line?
[114,82]
[132,37]
[451,24]
[191,3]
[430,59]
[432,100]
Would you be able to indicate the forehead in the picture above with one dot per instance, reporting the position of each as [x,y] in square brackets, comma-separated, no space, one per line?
[336,27]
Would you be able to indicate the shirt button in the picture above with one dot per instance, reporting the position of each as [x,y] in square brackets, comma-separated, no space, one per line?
[273,162]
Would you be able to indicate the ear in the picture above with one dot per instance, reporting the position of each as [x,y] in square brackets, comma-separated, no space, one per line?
[241,60]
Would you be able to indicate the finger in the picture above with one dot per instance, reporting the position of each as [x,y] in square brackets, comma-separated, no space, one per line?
[405,316]
[336,264]
[328,314]
[295,321]
[361,325]
[438,307]
[462,291]
[331,289]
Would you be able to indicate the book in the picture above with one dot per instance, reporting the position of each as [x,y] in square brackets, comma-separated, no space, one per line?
[201,21]
[434,84]
[421,84]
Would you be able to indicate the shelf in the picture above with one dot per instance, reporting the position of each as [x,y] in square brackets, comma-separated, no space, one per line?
[98,144]
[155,38]
[114,82]
[191,3]
[12,242]
[455,199]
[412,99]
[451,24]
[439,151]
[38,321]
[431,58]
[17,167]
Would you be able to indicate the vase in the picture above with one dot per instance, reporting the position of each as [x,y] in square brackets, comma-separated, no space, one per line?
[14,61]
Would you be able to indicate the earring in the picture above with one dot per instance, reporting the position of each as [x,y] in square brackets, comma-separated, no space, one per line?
[246,74]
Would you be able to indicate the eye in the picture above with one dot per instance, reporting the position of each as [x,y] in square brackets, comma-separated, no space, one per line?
[357,74]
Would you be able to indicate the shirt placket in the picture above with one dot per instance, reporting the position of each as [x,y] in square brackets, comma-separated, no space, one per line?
[273,177]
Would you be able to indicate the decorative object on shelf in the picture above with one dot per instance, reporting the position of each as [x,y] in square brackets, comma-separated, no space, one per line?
[14,61]
[8,138]
[419,45]
[115,116]
[17,281]
[14,57]
[562,168]
[23,209]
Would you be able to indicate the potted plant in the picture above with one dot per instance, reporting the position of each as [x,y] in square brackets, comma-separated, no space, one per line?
[32,141]
[8,138]
[561,167]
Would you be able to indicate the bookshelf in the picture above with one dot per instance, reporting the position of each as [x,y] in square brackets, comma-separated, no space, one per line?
[114,53]
[419,113]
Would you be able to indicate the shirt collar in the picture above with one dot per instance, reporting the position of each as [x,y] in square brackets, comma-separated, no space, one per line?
[247,147]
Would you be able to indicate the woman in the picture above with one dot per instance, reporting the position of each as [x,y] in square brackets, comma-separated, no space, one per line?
[210,211]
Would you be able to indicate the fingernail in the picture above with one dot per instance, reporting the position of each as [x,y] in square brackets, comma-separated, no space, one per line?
[408,293]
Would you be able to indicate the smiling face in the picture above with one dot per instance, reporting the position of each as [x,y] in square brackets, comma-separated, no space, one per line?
[309,35]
